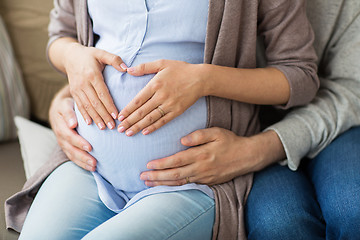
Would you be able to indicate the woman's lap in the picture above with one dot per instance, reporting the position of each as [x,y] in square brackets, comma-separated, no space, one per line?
[324,189]
[175,215]
[68,207]
[62,206]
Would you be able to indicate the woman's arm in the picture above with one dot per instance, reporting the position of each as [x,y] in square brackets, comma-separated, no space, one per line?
[264,86]
[82,65]
[290,78]
[256,86]
[188,83]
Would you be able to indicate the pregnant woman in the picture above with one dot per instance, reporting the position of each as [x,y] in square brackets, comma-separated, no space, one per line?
[149,31]
[165,100]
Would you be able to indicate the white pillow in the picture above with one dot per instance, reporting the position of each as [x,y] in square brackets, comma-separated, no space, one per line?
[37,143]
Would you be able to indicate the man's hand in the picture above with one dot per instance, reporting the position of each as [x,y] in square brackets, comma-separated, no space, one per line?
[63,121]
[216,156]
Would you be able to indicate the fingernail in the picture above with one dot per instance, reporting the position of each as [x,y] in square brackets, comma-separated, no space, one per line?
[145,132]
[89,168]
[101,125]
[131,69]
[90,163]
[121,118]
[110,125]
[123,66]
[144,177]
[86,148]
[121,129]
[113,115]
[72,122]
[129,133]
[187,140]
[150,166]
[149,184]
[88,121]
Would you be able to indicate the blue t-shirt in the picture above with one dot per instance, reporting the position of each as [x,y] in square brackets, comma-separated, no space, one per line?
[142,31]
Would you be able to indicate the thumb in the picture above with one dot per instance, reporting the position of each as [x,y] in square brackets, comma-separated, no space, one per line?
[111,59]
[147,68]
[199,137]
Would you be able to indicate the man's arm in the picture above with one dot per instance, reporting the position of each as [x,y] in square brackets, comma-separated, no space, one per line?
[336,108]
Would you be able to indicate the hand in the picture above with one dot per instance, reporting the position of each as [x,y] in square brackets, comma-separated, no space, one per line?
[63,121]
[212,159]
[84,66]
[217,156]
[175,87]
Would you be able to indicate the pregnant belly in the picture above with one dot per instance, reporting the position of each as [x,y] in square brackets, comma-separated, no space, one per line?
[121,159]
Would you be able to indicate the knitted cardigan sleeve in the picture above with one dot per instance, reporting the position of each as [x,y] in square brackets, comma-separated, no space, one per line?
[62,21]
[288,38]
[62,24]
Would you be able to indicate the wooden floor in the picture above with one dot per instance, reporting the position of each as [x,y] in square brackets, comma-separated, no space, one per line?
[12,178]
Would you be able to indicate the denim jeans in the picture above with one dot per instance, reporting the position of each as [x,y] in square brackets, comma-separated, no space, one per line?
[319,201]
[68,207]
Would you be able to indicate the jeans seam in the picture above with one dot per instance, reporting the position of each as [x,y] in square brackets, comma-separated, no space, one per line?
[207,210]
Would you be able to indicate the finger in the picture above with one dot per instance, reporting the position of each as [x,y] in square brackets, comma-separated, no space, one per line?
[155,115]
[165,183]
[74,139]
[141,118]
[199,137]
[68,113]
[111,59]
[98,106]
[142,97]
[73,144]
[176,174]
[88,108]
[147,68]
[68,135]
[159,123]
[177,160]
[206,180]
[79,157]
[103,94]
[87,118]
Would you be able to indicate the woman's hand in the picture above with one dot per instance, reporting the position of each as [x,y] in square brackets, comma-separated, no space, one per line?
[217,156]
[84,66]
[63,122]
[176,86]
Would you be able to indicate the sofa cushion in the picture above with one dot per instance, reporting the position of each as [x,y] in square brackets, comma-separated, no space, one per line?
[13,98]
[27,22]
[36,143]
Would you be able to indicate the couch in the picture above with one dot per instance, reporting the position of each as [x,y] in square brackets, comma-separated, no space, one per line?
[26,22]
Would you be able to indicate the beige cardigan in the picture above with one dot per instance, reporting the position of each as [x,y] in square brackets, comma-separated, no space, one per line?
[232,30]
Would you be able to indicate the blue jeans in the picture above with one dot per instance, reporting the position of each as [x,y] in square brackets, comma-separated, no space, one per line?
[68,207]
[319,201]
